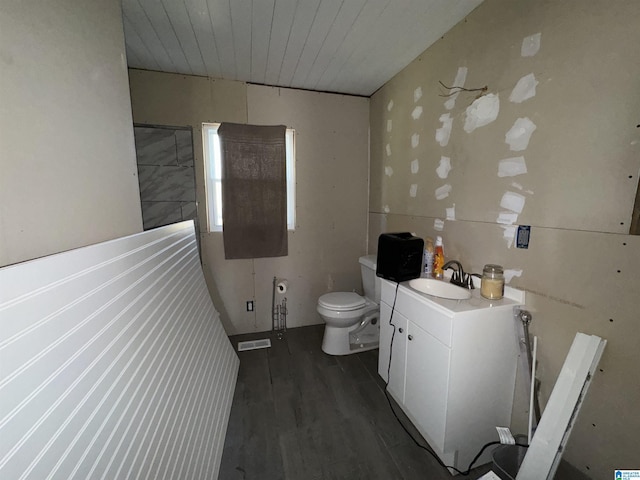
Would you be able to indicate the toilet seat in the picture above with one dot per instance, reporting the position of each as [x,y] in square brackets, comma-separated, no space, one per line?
[342,301]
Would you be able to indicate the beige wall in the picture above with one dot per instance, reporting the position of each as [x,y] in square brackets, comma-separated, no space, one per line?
[331,189]
[67,162]
[581,269]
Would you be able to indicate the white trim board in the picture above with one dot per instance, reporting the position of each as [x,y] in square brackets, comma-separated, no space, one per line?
[545,451]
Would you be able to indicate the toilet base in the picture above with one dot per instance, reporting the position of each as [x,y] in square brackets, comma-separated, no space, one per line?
[336,340]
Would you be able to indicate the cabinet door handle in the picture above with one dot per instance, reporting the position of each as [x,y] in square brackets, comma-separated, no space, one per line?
[400,329]
[410,337]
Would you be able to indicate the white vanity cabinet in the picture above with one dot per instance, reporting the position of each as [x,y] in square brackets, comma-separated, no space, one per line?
[398,355]
[426,380]
[453,367]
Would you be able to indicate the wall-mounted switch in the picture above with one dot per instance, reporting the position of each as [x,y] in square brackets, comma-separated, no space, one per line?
[250,306]
[523,235]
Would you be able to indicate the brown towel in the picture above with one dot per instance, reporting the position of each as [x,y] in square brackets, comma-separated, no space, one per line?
[254,190]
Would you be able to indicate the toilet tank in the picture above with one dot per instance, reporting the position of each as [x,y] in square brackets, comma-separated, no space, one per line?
[370,282]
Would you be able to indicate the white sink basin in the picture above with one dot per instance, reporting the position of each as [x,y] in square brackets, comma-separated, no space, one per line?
[439,288]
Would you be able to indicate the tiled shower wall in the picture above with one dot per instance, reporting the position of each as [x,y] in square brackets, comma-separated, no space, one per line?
[165,174]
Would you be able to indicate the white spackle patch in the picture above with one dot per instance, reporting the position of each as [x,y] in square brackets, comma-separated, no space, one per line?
[388,171]
[415,140]
[387,148]
[415,166]
[461,77]
[438,224]
[413,190]
[417,94]
[386,209]
[443,191]
[481,112]
[510,167]
[530,192]
[516,185]
[444,168]
[507,218]
[509,234]
[389,125]
[513,201]
[451,212]
[519,135]
[530,45]
[389,105]
[443,133]
[524,89]
[510,273]
[417,113]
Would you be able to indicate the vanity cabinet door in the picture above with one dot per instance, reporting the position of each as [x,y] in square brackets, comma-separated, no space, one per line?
[427,383]
[396,374]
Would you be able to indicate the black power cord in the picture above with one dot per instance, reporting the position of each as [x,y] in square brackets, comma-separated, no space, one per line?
[423,447]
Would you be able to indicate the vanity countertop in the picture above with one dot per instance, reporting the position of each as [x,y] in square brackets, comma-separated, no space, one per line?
[512,297]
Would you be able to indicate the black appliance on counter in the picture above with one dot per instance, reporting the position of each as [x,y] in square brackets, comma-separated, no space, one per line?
[399,256]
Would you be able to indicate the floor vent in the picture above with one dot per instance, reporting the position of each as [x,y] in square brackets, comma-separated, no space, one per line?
[254,345]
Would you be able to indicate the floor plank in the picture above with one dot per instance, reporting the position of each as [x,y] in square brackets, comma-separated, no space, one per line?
[299,414]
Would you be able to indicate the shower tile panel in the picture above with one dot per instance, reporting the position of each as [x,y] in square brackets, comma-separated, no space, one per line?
[189,211]
[156,146]
[184,148]
[166,184]
[165,175]
[157,214]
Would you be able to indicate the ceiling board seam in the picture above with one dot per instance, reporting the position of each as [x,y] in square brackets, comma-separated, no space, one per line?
[333,82]
[233,42]
[273,13]
[295,12]
[195,36]
[146,47]
[131,55]
[295,70]
[342,42]
[186,58]
[365,55]
[381,71]
[324,40]
[157,35]
[251,44]
[213,34]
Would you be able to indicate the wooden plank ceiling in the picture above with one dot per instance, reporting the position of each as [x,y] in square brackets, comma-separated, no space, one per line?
[344,46]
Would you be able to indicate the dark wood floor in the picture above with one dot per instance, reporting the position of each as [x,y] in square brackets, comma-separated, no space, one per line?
[299,414]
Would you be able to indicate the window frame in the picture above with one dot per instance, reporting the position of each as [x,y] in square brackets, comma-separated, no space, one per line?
[213,176]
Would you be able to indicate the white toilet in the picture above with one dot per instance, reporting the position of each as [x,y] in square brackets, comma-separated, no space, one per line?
[352,320]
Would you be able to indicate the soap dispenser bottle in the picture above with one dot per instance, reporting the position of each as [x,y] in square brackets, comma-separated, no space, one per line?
[438,259]
[428,257]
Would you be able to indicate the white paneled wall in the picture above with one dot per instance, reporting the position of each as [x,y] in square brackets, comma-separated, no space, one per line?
[113,363]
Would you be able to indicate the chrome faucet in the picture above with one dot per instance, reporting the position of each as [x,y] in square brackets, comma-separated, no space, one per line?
[459,278]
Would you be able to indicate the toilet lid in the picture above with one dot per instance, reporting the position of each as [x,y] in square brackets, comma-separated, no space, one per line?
[342,301]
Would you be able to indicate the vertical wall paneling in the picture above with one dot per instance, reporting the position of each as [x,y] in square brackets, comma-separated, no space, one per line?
[114,363]
[576,192]
[67,164]
[331,156]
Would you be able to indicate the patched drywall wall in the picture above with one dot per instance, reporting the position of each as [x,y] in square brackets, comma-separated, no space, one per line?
[543,133]
[331,189]
[68,174]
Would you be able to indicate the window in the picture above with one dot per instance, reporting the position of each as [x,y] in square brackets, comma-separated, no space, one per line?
[213,180]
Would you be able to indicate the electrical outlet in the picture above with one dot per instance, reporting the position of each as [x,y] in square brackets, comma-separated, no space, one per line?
[250,306]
